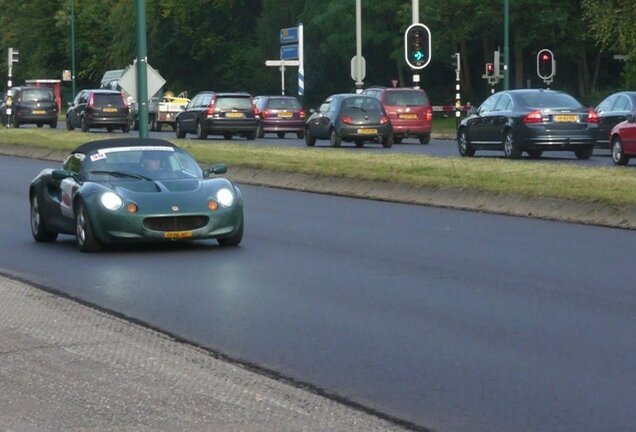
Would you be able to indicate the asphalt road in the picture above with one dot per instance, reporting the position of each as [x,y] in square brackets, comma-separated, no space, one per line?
[456,321]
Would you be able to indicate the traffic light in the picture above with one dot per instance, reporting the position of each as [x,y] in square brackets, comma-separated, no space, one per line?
[455,61]
[546,66]
[13,55]
[498,60]
[490,70]
[417,46]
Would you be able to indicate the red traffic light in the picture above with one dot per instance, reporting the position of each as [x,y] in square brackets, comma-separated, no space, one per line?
[546,67]
[490,69]
[545,57]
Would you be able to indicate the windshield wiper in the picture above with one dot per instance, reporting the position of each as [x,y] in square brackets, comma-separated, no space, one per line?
[357,107]
[121,174]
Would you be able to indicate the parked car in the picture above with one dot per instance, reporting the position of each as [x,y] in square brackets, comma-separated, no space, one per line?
[131,190]
[210,113]
[31,105]
[623,140]
[529,120]
[350,118]
[98,108]
[279,115]
[409,110]
[611,111]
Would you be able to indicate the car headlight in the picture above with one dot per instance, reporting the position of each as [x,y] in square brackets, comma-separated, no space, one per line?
[111,201]
[225,197]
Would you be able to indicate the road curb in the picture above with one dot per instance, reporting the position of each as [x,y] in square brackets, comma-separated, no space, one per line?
[601,214]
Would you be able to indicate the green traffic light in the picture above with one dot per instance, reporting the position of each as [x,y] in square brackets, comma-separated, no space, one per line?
[418,55]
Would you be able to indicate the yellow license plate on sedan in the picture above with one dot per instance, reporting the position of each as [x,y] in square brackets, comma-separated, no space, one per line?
[110,109]
[570,118]
[235,115]
[408,116]
[368,131]
[39,112]
[175,235]
[285,115]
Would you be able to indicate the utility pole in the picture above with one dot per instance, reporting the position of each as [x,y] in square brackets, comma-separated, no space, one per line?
[506,46]
[142,68]
[73,49]
[415,18]
[358,61]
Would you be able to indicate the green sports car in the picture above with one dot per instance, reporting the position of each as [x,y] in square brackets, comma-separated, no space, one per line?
[134,190]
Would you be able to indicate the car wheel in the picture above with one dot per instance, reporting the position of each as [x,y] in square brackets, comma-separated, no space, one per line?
[281,135]
[53,125]
[387,141]
[359,143]
[511,149]
[618,154]
[69,126]
[153,123]
[85,125]
[227,136]
[425,139]
[201,132]
[535,154]
[585,153]
[85,237]
[109,128]
[251,136]
[178,130]
[300,135]
[260,132]
[38,229]
[234,239]
[310,139]
[397,139]
[125,128]
[334,139]
[463,144]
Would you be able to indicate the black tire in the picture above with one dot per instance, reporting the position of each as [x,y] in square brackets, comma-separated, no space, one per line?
[16,122]
[397,139]
[511,149]
[53,125]
[359,143]
[202,133]
[618,153]
[387,141]
[227,135]
[535,154]
[125,128]
[425,139]
[39,125]
[69,126]
[281,135]
[251,136]
[39,230]
[260,132]
[310,139]
[152,123]
[178,130]
[85,237]
[109,128]
[584,153]
[463,144]
[334,139]
[234,239]
[300,135]
[85,125]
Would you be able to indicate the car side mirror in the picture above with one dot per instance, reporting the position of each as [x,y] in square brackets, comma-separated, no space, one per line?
[219,168]
[60,174]
[312,110]
[631,118]
[473,110]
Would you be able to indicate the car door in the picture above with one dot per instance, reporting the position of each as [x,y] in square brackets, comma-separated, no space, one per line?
[188,117]
[628,135]
[73,113]
[606,119]
[480,127]
[321,120]
[498,119]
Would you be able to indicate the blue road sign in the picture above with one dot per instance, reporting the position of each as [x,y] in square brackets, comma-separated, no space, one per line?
[289,35]
[289,52]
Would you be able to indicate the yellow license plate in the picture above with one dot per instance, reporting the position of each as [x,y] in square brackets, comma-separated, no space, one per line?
[368,131]
[285,115]
[110,110]
[39,112]
[408,116]
[566,118]
[235,115]
[177,234]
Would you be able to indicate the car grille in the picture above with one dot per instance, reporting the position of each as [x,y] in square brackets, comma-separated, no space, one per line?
[175,223]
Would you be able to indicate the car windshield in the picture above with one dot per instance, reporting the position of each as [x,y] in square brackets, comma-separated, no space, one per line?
[139,163]
[286,103]
[37,95]
[537,100]
[363,103]
[102,99]
[229,103]
[405,98]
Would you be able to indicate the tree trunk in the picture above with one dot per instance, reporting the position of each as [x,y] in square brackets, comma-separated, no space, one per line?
[466,82]
[519,70]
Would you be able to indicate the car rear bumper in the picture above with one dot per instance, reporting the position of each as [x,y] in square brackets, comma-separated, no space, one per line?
[569,139]
[354,132]
[107,121]
[221,126]
[37,118]
[411,129]
[283,125]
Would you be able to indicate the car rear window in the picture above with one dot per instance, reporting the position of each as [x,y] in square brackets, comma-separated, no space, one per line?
[37,95]
[366,103]
[280,103]
[233,102]
[405,98]
[549,100]
[108,99]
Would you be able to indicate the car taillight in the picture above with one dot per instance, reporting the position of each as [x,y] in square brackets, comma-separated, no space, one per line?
[301,114]
[266,113]
[91,100]
[123,99]
[256,111]
[533,117]
[346,120]
[211,109]
[592,117]
[384,119]
[428,114]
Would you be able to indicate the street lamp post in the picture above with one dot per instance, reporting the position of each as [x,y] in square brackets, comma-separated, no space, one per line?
[142,69]
[506,48]
[73,48]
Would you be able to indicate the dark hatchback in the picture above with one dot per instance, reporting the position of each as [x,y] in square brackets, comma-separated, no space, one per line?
[529,120]
[96,108]
[210,113]
[611,111]
[280,115]
[31,105]
[350,118]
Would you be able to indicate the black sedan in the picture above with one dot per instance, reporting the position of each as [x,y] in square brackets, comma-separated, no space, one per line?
[350,118]
[529,120]
[611,111]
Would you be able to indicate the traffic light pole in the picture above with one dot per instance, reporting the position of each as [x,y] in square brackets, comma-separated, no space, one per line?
[142,68]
